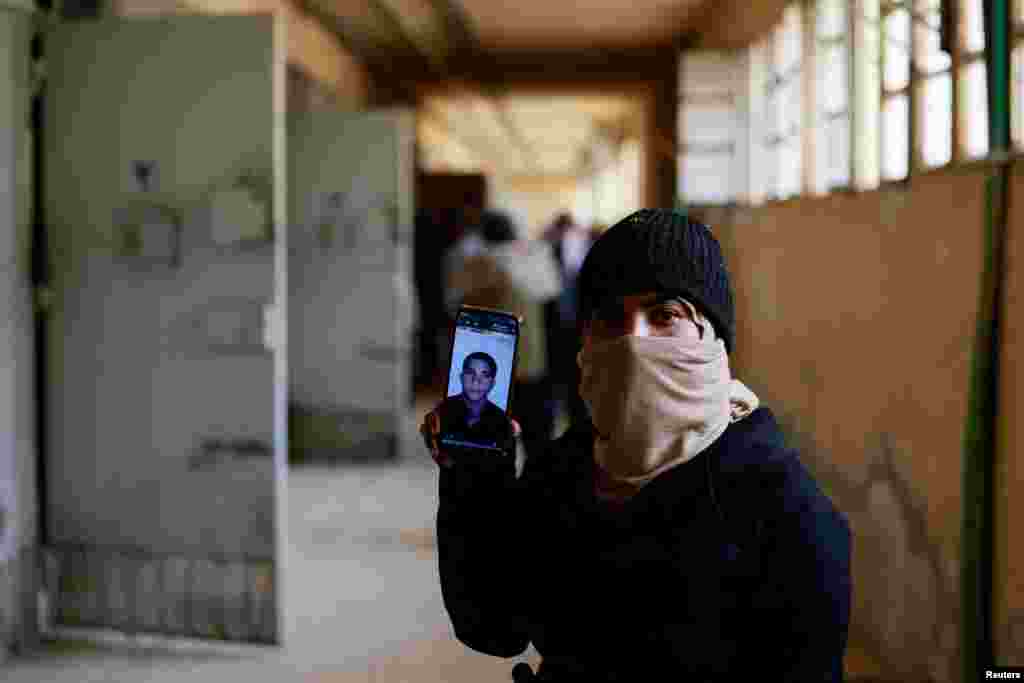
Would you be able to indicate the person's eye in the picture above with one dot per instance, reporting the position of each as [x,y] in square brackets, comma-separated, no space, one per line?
[665,315]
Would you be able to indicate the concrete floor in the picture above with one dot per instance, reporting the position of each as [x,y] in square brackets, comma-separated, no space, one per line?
[362,598]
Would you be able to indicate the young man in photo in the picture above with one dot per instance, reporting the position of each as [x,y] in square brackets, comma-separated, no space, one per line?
[470,415]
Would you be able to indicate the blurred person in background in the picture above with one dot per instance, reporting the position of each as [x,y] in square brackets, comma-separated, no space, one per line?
[570,243]
[596,230]
[670,536]
[517,275]
[429,244]
[468,244]
[442,240]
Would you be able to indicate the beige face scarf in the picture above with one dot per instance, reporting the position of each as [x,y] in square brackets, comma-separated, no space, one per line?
[657,402]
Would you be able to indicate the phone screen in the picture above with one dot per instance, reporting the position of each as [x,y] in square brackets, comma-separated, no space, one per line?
[479,379]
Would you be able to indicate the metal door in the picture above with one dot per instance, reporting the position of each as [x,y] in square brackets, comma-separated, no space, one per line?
[350,322]
[165,198]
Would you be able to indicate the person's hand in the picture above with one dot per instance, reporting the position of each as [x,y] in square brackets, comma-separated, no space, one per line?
[430,430]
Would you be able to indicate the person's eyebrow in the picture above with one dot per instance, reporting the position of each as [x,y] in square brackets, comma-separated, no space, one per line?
[658,299]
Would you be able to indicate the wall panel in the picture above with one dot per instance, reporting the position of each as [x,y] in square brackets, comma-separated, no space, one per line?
[855,324]
[1008,569]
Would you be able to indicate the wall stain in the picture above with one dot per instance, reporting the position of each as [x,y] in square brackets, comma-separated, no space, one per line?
[1009,640]
[921,641]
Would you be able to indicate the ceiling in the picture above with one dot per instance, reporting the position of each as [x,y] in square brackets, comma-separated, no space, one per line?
[520,135]
[419,48]
[581,24]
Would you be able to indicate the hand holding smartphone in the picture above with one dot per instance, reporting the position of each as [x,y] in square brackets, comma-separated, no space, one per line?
[473,419]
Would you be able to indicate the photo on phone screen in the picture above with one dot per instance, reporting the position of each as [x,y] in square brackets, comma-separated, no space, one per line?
[479,379]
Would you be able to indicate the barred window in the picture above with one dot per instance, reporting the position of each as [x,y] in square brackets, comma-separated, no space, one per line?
[973,106]
[783,107]
[709,129]
[1017,75]
[934,84]
[833,54]
[895,53]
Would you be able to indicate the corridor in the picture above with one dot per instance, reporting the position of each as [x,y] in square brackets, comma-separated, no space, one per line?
[363,602]
[235,237]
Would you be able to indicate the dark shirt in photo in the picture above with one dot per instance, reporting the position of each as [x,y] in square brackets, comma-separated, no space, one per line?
[487,431]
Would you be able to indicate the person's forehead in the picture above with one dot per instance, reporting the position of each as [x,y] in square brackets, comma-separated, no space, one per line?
[479,363]
[639,300]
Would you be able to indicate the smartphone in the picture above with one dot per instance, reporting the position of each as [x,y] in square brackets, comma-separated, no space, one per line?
[474,415]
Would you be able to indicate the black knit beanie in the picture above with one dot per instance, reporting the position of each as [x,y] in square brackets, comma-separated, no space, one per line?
[659,250]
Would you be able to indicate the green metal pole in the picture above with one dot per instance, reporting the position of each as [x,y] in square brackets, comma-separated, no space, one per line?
[997,61]
[980,431]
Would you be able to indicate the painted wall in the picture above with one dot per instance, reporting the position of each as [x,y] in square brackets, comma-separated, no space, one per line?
[350,322]
[855,324]
[1008,598]
[17,448]
[311,47]
[163,395]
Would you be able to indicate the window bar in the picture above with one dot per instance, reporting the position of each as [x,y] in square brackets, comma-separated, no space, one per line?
[1016,37]
[810,91]
[926,75]
[883,56]
[770,156]
[754,75]
[889,93]
[853,12]
[723,97]
[959,118]
[707,148]
[847,113]
[889,45]
[915,103]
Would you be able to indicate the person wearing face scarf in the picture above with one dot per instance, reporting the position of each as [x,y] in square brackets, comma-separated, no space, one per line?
[672,535]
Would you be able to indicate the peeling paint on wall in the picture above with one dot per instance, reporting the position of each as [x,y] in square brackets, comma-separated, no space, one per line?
[224,598]
[854,336]
[1009,640]
[906,605]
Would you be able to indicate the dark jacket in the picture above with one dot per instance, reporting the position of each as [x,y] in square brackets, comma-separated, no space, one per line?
[732,566]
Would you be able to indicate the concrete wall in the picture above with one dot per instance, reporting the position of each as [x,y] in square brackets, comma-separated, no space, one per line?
[310,47]
[856,315]
[350,323]
[17,448]
[162,399]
